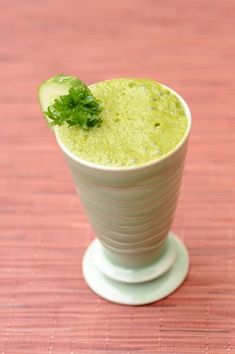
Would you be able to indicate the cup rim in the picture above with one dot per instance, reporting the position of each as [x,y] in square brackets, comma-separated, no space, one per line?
[99,167]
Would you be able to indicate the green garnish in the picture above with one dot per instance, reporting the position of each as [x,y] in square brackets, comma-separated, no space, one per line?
[79,106]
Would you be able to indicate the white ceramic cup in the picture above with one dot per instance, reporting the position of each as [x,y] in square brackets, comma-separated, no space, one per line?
[131,208]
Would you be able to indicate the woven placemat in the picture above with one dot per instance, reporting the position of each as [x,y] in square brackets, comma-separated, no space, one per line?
[45,305]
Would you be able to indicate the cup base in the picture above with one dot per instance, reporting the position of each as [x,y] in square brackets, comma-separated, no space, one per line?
[136,274]
[134,287]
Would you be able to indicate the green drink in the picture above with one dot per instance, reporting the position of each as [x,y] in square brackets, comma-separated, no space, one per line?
[125,141]
[142,121]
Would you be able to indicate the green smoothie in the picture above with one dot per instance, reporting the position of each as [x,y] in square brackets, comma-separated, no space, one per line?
[120,122]
[141,121]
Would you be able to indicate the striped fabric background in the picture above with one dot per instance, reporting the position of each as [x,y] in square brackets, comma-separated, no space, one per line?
[45,305]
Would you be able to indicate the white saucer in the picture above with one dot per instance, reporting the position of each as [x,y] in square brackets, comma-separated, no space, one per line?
[137,293]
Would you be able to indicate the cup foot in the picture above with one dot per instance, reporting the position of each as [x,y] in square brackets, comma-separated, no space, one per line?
[134,287]
[137,274]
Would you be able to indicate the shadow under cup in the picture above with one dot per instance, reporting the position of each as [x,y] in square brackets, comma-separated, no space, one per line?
[131,208]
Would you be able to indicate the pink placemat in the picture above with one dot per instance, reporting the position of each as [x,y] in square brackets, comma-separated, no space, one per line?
[45,305]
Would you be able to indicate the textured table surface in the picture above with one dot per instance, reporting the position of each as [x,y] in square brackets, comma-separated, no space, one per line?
[45,305]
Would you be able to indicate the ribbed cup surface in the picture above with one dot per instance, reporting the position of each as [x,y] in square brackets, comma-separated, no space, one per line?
[131,212]
[131,209]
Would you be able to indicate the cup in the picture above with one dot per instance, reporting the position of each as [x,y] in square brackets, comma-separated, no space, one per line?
[135,259]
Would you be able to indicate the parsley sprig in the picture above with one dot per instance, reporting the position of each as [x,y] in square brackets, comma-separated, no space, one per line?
[79,106]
